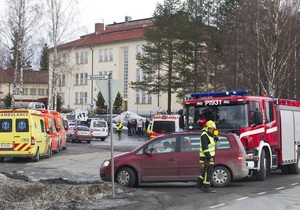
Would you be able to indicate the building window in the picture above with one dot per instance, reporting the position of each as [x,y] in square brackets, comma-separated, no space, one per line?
[81,79]
[76,79]
[106,55]
[100,55]
[82,57]
[17,91]
[111,55]
[143,97]
[149,99]
[139,50]
[137,97]
[80,97]
[125,73]
[85,78]
[62,58]
[41,92]
[61,80]
[62,95]
[25,91]
[76,97]
[32,91]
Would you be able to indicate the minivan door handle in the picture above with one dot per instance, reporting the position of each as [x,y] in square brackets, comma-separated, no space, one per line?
[172,159]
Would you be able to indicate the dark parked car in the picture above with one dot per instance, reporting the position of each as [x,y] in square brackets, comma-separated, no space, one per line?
[79,133]
[175,157]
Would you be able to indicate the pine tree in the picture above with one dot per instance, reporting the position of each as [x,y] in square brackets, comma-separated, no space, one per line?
[44,62]
[118,104]
[157,62]
[100,103]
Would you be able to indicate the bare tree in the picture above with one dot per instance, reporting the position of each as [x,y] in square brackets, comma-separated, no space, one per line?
[267,45]
[61,19]
[20,26]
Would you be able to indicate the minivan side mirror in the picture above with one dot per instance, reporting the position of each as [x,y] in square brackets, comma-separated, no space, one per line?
[148,151]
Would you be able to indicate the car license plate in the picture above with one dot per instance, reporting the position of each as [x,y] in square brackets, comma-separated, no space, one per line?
[5,145]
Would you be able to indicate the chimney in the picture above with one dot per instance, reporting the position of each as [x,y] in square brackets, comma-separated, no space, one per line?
[128,18]
[99,28]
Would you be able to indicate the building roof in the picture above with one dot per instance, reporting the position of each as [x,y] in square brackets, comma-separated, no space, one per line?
[117,32]
[37,77]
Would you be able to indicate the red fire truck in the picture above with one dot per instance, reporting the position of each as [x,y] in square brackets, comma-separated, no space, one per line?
[268,128]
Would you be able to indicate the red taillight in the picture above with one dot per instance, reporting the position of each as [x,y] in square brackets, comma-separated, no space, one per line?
[240,159]
[32,140]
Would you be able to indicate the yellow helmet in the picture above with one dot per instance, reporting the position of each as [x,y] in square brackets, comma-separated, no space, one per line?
[210,124]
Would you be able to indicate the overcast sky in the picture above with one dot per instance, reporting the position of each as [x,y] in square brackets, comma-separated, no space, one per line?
[109,11]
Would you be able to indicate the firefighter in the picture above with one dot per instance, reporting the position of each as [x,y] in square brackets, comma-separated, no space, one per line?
[119,129]
[207,153]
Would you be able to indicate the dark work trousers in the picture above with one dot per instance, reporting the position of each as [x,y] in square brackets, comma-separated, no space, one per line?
[206,176]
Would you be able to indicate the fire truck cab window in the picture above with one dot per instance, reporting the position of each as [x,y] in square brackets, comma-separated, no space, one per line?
[254,107]
[269,111]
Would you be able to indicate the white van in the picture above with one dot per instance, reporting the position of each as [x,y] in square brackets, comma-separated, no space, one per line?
[99,129]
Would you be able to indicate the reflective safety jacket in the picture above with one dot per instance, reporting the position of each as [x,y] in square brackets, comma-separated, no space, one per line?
[207,145]
[119,126]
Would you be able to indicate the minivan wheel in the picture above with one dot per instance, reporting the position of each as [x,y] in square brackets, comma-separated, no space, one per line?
[102,139]
[221,176]
[36,158]
[126,177]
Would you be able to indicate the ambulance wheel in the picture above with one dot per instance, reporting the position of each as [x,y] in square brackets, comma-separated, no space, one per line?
[262,173]
[59,147]
[36,158]
[1,159]
[49,153]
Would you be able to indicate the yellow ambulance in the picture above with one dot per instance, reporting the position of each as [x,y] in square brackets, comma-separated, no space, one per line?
[23,134]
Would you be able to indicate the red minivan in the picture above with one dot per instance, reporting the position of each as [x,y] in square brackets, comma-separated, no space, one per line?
[175,158]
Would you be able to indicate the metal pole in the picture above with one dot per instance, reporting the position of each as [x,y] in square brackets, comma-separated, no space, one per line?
[111,139]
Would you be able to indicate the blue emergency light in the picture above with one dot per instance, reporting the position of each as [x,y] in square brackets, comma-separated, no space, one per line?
[220,94]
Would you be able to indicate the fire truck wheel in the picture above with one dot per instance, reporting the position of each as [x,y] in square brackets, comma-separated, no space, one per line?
[221,176]
[262,173]
[295,168]
[36,158]
[88,141]
[126,177]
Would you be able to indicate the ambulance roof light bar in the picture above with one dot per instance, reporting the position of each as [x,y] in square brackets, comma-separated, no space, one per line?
[220,94]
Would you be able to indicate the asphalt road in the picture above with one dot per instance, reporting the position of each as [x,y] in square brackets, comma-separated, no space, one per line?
[81,162]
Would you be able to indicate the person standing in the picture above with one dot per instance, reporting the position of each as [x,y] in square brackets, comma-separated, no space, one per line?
[140,127]
[207,153]
[119,129]
[129,127]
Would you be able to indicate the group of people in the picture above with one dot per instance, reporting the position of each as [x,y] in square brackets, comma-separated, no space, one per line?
[134,127]
[137,127]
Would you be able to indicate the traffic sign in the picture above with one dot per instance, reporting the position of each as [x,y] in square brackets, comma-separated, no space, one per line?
[98,77]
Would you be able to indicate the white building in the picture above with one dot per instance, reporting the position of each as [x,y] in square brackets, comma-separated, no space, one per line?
[110,49]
